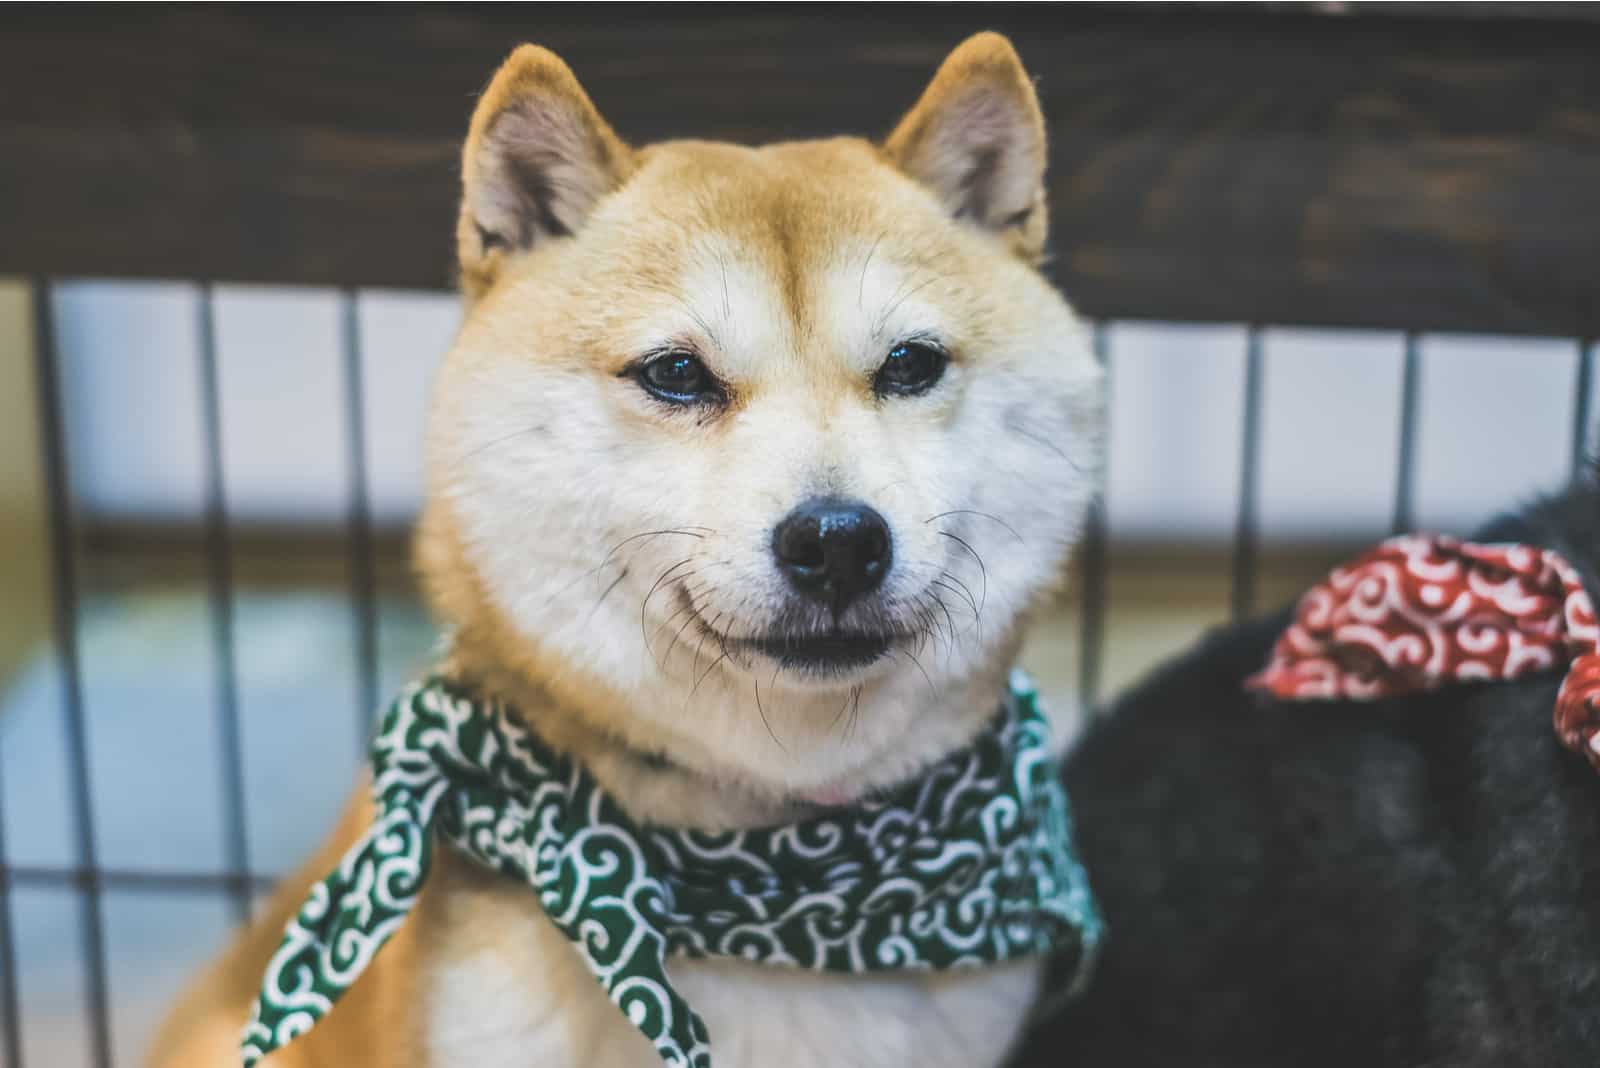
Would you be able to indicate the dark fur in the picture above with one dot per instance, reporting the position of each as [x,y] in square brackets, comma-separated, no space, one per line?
[1412,882]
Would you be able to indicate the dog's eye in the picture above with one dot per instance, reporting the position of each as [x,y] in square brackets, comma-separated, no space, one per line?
[677,377]
[911,367]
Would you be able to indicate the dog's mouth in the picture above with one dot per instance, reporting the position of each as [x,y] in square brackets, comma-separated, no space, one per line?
[819,653]
[822,653]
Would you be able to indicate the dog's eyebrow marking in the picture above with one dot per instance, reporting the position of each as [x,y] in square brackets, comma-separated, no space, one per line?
[694,315]
[700,321]
[861,287]
[899,299]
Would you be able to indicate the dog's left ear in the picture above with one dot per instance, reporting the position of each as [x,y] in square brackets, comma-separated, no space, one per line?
[976,138]
[538,157]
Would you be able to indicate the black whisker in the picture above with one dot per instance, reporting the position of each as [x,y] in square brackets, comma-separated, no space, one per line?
[972,511]
[855,713]
[881,490]
[607,592]
[687,532]
[708,671]
[688,613]
[925,677]
[727,307]
[710,628]
[930,621]
[486,446]
[883,319]
[765,722]
[950,621]
[837,716]
[687,608]
[1045,443]
[971,603]
[966,591]
[644,605]
[920,611]
[699,321]
[984,598]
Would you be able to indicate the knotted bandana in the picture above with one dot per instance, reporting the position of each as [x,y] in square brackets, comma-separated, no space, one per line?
[971,864]
[1417,613]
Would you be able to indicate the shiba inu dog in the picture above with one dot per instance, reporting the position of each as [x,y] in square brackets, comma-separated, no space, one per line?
[745,471]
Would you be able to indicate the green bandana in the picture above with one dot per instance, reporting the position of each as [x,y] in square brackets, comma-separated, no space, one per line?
[969,865]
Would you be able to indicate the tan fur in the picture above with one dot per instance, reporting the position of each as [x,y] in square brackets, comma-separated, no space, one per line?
[791,270]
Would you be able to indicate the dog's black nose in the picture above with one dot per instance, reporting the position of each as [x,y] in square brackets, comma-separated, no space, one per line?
[833,550]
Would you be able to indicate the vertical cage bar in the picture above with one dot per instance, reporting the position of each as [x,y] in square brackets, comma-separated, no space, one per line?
[1410,383]
[64,583]
[1245,535]
[219,590]
[363,578]
[10,1017]
[1092,553]
[1581,410]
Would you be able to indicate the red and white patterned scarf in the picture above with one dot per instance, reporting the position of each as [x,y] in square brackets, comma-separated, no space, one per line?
[1418,613]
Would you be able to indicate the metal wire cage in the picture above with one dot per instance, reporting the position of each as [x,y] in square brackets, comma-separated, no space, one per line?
[1258,44]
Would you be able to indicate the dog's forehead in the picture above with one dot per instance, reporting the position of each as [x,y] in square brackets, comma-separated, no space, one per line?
[772,192]
[808,244]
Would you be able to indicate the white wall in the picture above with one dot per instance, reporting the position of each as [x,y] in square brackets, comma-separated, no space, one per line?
[130,361]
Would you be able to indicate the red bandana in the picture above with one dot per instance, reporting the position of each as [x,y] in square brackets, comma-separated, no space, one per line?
[1417,613]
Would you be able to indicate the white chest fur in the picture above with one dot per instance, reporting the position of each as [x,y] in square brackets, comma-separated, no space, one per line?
[506,990]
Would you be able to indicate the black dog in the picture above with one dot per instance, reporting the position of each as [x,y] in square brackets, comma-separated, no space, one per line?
[1409,882]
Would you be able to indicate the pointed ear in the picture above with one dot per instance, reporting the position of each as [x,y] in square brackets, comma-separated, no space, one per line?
[538,157]
[977,140]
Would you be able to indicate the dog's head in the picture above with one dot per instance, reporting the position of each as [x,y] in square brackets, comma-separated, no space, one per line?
[756,457]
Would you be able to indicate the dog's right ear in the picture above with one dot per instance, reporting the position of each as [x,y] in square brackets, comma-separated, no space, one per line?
[538,157]
[976,139]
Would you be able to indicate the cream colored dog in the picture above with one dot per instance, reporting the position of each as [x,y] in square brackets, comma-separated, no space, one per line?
[745,470]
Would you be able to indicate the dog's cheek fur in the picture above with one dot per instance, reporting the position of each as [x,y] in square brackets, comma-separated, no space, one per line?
[518,479]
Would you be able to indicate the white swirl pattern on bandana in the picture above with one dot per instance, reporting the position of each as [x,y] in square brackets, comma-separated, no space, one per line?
[969,865]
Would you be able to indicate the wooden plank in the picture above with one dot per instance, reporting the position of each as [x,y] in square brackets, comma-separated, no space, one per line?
[1219,163]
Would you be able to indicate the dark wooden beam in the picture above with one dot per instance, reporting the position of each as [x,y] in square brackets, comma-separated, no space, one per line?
[1215,163]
